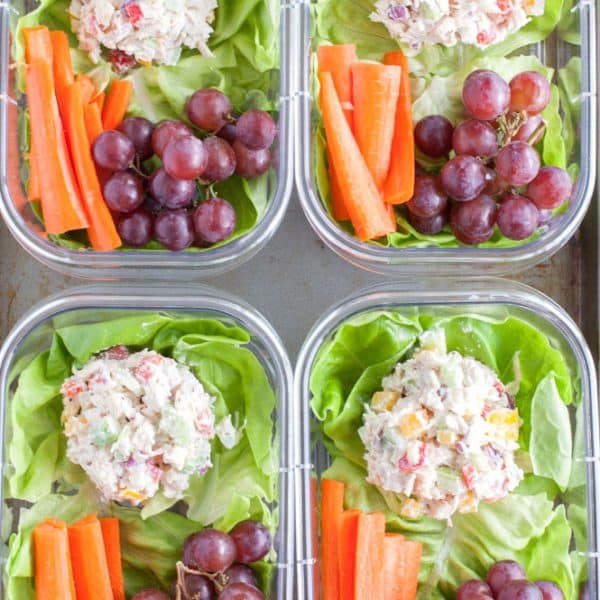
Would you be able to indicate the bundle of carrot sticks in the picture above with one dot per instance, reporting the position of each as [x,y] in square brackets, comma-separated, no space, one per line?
[366,109]
[358,558]
[66,114]
[78,562]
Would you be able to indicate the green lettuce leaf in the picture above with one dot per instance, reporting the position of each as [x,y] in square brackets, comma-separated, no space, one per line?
[245,66]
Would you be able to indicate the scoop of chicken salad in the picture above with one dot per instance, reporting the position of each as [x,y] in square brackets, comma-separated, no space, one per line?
[150,31]
[139,423]
[448,22]
[442,433]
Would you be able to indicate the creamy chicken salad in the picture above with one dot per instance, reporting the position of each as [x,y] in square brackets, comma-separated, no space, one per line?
[442,433]
[151,31]
[448,22]
[140,423]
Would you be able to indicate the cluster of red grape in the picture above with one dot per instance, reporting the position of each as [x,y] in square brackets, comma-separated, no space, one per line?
[506,580]
[494,174]
[216,565]
[165,205]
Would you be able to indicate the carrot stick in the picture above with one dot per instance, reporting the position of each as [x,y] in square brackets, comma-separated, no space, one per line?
[375,89]
[61,202]
[347,553]
[116,103]
[102,231]
[402,561]
[112,548]
[340,212]
[99,101]
[368,213]
[90,570]
[52,562]
[370,535]
[33,189]
[332,507]
[61,66]
[338,60]
[400,183]
[38,44]
[89,93]
[93,121]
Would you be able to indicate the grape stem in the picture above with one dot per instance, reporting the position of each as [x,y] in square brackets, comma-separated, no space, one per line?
[509,125]
[135,166]
[219,579]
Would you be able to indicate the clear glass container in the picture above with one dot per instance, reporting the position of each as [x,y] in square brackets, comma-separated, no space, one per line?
[486,296]
[453,261]
[134,264]
[93,304]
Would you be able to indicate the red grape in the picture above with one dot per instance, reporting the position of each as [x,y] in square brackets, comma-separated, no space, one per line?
[532,131]
[428,225]
[471,588]
[209,550]
[220,160]
[463,177]
[209,109]
[473,222]
[551,187]
[139,131]
[174,230]
[433,136]
[584,591]
[520,590]
[503,572]
[517,218]
[184,157]
[135,229]
[550,591]
[251,163]
[494,184]
[172,193]
[238,573]
[530,92]
[123,192]
[113,150]
[252,541]
[476,138]
[486,95]
[241,591]
[151,595]
[518,163]
[429,198]
[198,587]
[256,129]
[228,132]
[166,131]
[546,215]
[214,221]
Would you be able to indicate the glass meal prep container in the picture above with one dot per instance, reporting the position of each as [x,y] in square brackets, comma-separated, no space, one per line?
[89,264]
[486,298]
[92,305]
[553,52]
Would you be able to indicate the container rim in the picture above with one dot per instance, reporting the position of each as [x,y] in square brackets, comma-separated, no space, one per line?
[91,264]
[483,261]
[186,298]
[450,292]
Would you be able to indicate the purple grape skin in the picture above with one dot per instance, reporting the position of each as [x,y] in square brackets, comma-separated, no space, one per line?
[534,124]
[517,217]
[429,225]
[520,590]
[433,136]
[251,163]
[549,589]
[475,138]
[164,132]
[209,550]
[473,222]
[220,160]
[135,229]
[123,192]
[198,587]
[463,178]
[584,591]
[113,150]
[172,193]
[551,187]
[518,163]
[241,591]
[546,215]
[151,595]
[256,129]
[471,587]
[174,230]
[139,131]
[184,157]
[486,95]
[214,221]
[238,572]
[429,198]
[252,540]
[228,132]
[209,109]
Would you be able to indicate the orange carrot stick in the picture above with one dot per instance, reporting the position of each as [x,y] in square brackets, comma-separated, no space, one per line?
[347,553]
[340,212]
[102,231]
[338,61]
[90,570]
[112,548]
[38,44]
[93,121]
[368,213]
[370,535]
[52,562]
[400,183]
[89,93]
[61,202]
[375,89]
[33,189]
[332,506]
[62,66]
[402,561]
[116,103]
[99,101]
